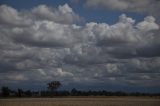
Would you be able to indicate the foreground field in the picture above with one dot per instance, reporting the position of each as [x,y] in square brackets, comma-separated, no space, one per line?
[114,101]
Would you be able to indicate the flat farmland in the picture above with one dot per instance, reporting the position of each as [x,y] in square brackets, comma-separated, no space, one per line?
[81,101]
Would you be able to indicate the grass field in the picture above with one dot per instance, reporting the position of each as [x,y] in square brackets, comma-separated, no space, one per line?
[109,101]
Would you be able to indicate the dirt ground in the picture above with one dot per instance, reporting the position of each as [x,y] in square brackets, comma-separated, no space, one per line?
[108,101]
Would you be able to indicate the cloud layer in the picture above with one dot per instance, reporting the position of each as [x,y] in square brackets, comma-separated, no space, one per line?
[151,7]
[127,5]
[45,43]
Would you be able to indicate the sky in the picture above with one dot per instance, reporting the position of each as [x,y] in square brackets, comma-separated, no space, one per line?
[85,44]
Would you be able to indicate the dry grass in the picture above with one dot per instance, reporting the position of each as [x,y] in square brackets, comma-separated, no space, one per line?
[114,101]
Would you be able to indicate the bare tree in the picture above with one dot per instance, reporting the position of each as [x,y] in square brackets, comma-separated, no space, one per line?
[54,85]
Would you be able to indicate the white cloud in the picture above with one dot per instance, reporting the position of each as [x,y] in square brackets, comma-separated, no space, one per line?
[112,68]
[123,31]
[148,24]
[63,14]
[65,9]
[41,72]
[9,15]
[63,73]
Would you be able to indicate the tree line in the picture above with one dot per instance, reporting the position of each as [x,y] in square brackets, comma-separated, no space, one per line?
[53,92]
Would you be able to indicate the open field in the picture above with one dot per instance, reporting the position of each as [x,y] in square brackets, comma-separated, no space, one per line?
[109,101]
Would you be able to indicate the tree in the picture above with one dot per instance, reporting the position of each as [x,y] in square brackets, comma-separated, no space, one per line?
[54,85]
[5,91]
[28,93]
[20,92]
[74,92]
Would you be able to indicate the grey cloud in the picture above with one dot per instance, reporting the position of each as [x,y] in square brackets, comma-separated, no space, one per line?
[63,14]
[49,46]
[10,16]
[125,5]
[150,7]
[148,24]
[45,34]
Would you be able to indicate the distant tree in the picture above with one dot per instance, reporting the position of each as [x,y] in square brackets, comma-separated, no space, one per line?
[20,92]
[28,93]
[54,85]
[5,91]
[74,92]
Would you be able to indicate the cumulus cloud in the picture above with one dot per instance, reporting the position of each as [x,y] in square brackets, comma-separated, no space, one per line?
[127,5]
[46,43]
[9,15]
[114,34]
[151,7]
[45,33]
[148,24]
[62,14]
